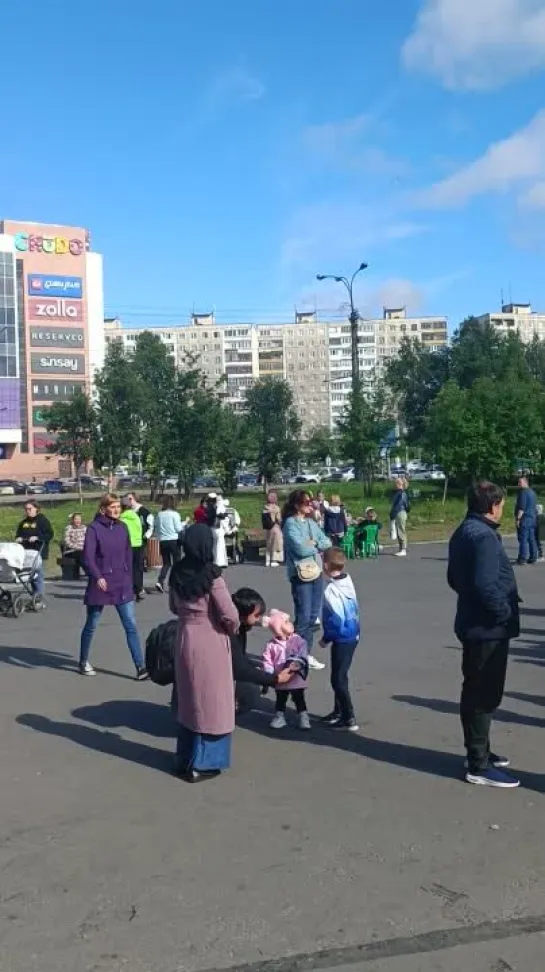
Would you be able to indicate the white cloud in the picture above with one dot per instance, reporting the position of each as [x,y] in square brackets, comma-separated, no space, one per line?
[234,85]
[477,44]
[534,197]
[399,293]
[341,145]
[329,232]
[515,163]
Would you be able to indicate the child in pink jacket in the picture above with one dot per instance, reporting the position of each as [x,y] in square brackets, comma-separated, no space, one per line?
[287,650]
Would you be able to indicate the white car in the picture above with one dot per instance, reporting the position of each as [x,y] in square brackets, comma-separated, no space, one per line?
[348,474]
[436,473]
[307,477]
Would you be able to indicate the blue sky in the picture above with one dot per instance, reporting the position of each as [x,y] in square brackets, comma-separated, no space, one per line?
[224,153]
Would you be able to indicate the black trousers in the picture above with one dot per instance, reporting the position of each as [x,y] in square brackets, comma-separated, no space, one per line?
[484,667]
[341,660]
[137,570]
[298,699]
[170,553]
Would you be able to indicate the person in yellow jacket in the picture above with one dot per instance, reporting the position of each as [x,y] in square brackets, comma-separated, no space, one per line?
[134,525]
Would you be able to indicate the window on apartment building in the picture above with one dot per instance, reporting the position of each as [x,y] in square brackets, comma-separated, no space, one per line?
[414,326]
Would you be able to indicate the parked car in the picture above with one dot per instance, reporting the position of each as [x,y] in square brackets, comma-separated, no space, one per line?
[247,481]
[12,487]
[54,486]
[436,473]
[34,488]
[93,482]
[348,474]
[307,477]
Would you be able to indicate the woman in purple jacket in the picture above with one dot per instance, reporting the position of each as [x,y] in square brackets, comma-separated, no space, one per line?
[107,558]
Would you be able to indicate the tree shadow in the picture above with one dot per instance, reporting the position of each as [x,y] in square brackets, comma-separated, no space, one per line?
[524,697]
[22,656]
[442,560]
[432,762]
[108,743]
[537,612]
[69,597]
[540,632]
[137,714]
[451,708]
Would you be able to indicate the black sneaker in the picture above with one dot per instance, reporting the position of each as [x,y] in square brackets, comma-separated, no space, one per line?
[332,719]
[349,725]
[498,762]
[159,587]
[142,674]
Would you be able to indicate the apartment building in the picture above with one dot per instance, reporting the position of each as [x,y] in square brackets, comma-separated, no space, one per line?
[516,318]
[378,341]
[313,356]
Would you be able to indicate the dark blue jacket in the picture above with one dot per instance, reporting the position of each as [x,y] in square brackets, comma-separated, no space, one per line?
[527,504]
[400,503]
[480,572]
[334,521]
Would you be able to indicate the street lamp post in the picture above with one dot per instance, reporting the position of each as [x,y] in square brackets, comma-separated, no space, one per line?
[354,319]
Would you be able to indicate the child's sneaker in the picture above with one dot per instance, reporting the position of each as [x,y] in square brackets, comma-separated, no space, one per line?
[279,721]
[304,721]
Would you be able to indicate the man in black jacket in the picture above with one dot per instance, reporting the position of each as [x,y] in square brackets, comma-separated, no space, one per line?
[487,616]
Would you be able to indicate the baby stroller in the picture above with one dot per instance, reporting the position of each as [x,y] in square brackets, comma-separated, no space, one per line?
[18,568]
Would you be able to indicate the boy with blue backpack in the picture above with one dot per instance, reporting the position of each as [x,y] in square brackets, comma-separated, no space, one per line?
[341,630]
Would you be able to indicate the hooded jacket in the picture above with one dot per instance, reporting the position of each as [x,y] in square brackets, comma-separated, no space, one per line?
[107,553]
[340,611]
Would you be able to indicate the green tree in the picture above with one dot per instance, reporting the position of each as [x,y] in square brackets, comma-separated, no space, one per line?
[362,429]
[233,444]
[75,425]
[274,425]
[190,429]
[155,372]
[415,377]
[319,445]
[119,403]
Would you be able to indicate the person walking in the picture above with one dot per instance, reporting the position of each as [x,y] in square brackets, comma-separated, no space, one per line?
[398,516]
[205,699]
[35,533]
[303,542]
[167,530]
[271,521]
[107,559]
[526,521]
[134,525]
[487,617]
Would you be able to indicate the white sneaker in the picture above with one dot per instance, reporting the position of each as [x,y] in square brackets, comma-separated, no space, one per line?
[304,721]
[279,721]
[314,664]
[274,563]
[86,669]
[401,553]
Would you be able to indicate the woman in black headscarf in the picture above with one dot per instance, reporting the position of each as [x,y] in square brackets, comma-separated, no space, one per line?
[204,677]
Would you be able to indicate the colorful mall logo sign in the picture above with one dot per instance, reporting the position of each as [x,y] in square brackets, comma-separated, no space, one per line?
[55,310]
[40,284]
[59,245]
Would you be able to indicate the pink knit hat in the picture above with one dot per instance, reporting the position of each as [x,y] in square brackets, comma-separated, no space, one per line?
[277,622]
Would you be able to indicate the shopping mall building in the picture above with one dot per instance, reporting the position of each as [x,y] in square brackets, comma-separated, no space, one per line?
[51,336]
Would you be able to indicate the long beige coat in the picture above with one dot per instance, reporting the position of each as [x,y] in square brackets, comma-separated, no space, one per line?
[204,673]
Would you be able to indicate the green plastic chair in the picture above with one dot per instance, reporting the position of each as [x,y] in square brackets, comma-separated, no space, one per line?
[370,544]
[348,543]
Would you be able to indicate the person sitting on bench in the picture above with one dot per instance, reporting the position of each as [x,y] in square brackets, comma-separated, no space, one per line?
[73,542]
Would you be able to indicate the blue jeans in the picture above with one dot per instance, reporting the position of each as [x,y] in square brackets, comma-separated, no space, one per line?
[527,540]
[126,616]
[38,581]
[307,602]
[341,660]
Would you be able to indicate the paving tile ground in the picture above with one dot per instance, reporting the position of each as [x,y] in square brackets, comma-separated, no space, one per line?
[313,845]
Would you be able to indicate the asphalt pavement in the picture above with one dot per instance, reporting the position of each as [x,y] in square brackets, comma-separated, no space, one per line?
[322,850]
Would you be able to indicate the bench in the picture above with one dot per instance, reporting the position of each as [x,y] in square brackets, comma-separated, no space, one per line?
[253,547]
[70,570]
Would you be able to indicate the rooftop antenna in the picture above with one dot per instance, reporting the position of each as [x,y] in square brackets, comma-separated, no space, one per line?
[501,298]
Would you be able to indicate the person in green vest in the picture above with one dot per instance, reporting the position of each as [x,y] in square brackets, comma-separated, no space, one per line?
[134,525]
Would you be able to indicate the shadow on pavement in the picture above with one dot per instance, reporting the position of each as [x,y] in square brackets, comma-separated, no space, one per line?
[432,762]
[451,708]
[429,761]
[108,743]
[25,657]
[523,697]
[137,714]
[537,612]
